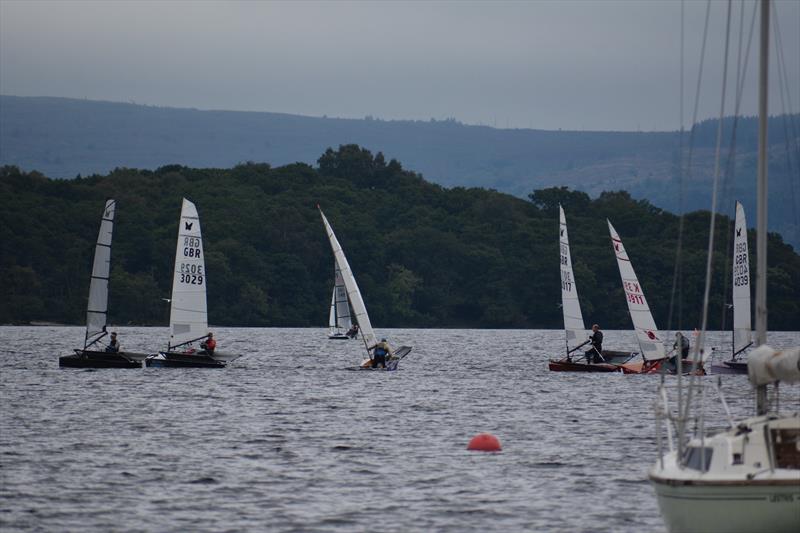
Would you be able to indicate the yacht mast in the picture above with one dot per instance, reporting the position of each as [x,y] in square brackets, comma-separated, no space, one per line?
[761,226]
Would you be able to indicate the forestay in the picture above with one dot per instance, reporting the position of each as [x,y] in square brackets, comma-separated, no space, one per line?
[741,284]
[353,294]
[188,317]
[573,319]
[97,308]
[340,310]
[646,332]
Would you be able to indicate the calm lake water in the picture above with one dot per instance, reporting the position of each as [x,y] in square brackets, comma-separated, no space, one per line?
[289,438]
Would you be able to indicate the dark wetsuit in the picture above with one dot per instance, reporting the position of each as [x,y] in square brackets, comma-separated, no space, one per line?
[113,346]
[593,355]
[379,356]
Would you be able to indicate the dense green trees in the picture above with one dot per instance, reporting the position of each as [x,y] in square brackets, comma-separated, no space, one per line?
[423,255]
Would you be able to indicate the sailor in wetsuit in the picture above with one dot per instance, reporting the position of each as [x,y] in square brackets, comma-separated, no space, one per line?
[595,354]
[380,353]
[209,344]
[113,344]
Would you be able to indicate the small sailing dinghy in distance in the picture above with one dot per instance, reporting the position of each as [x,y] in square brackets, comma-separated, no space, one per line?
[574,330]
[339,317]
[188,317]
[742,333]
[97,309]
[357,302]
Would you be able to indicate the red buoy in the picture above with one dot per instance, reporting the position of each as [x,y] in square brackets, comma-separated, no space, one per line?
[484,442]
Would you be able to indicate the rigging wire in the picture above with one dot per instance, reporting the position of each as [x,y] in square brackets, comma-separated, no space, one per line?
[704,319]
[729,178]
[783,83]
[676,276]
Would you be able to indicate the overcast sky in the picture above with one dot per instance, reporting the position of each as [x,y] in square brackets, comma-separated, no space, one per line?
[596,65]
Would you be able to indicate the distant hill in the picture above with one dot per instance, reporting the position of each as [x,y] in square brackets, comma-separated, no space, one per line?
[424,255]
[62,138]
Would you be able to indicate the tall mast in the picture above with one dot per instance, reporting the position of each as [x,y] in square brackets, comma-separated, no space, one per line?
[761,227]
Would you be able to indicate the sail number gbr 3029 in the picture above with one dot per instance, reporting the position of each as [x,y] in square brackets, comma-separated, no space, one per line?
[191,273]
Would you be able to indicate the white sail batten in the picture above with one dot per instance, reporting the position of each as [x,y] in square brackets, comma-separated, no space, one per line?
[742,333]
[97,308]
[188,318]
[353,293]
[340,307]
[573,318]
[646,332]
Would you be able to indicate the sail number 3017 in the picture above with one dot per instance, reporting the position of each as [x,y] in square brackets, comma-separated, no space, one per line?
[191,274]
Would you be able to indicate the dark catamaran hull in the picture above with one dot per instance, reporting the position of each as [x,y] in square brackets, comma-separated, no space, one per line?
[92,359]
[574,366]
[339,337]
[182,360]
[729,367]
[613,359]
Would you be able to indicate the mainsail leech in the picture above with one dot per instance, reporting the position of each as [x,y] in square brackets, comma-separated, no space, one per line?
[97,308]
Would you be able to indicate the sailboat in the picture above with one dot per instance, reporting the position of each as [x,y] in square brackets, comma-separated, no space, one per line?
[742,335]
[339,317]
[574,330]
[357,303]
[93,355]
[746,478]
[650,345]
[188,317]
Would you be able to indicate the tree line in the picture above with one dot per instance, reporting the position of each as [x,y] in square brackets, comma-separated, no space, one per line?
[423,255]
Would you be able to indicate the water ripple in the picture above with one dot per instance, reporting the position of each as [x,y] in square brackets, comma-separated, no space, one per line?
[289,438]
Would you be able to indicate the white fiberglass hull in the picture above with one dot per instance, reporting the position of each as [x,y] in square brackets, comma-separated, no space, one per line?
[729,508]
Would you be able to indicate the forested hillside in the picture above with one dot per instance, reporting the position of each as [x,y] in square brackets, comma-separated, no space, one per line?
[62,137]
[423,255]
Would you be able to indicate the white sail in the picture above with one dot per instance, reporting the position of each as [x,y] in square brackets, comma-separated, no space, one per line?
[97,308]
[353,294]
[741,284]
[332,314]
[339,319]
[188,318]
[646,332]
[571,306]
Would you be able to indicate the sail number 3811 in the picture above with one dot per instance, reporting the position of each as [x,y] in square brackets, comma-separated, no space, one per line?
[191,274]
